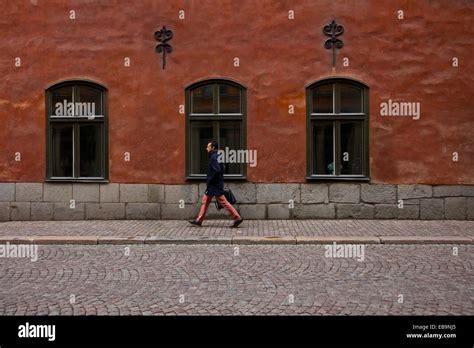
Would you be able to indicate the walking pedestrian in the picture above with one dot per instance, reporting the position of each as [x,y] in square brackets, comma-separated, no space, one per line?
[215,188]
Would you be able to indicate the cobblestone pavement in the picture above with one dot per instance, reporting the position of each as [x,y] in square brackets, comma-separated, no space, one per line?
[180,228]
[212,279]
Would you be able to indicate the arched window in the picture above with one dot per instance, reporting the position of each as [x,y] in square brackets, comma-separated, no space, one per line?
[76,132]
[215,109]
[337,123]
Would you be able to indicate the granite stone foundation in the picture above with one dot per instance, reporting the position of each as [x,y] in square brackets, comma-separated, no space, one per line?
[94,201]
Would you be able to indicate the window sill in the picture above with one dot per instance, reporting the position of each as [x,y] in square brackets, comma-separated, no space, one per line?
[105,181]
[226,178]
[337,178]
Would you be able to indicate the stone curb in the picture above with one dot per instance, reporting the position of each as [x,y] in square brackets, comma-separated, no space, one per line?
[121,240]
[188,240]
[426,240]
[264,240]
[236,240]
[336,239]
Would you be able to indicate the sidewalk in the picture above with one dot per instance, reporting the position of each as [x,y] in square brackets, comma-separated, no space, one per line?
[250,232]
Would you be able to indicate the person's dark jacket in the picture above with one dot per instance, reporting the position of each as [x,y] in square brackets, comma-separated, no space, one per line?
[215,175]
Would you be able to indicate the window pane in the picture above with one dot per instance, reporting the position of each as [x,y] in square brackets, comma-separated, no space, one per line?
[201,134]
[351,148]
[92,96]
[90,150]
[57,97]
[323,99]
[351,98]
[229,99]
[229,141]
[323,148]
[202,99]
[62,150]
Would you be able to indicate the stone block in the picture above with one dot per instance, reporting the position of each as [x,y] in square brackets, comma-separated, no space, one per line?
[57,192]
[455,208]
[278,193]
[414,191]
[64,212]
[278,211]
[133,193]
[85,192]
[354,211]
[105,211]
[41,211]
[174,212]
[156,193]
[7,192]
[378,193]
[453,191]
[432,209]
[314,211]
[470,208]
[109,193]
[344,193]
[175,193]
[245,193]
[253,211]
[4,211]
[390,211]
[142,211]
[20,211]
[314,193]
[29,192]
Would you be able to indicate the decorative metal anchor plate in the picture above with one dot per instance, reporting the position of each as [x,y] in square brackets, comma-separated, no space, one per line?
[333,30]
[163,36]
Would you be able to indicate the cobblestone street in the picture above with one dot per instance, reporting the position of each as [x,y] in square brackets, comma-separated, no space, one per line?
[216,279]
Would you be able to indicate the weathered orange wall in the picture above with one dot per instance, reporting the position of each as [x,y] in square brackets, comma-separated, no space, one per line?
[405,60]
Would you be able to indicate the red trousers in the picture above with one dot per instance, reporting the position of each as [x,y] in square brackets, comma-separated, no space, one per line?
[206,200]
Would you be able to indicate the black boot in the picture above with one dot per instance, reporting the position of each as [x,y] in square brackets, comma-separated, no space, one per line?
[195,223]
[237,223]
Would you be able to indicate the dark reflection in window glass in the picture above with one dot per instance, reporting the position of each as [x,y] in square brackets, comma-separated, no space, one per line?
[58,96]
[350,98]
[62,150]
[323,99]
[90,151]
[351,147]
[201,134]
[229,99]
[203,100]
[92,96]
[323,148]
[230,140]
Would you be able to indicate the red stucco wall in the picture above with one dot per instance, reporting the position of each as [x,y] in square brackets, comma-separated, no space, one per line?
[405,60]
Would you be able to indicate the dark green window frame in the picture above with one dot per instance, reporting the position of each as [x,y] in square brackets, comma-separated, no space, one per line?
[215,119]
[101,120]
[336,118]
